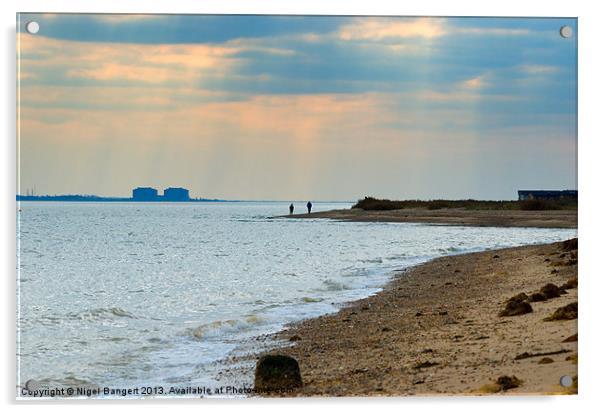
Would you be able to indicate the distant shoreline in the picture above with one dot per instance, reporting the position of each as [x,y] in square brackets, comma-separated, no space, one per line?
[84,198]
[453,216]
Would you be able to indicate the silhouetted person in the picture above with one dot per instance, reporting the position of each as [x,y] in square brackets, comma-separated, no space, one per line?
[309,205]
[291,208]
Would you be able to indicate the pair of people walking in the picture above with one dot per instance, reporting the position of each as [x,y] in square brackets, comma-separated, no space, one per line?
[291,208]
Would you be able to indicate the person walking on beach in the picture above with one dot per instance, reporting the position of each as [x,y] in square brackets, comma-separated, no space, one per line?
[291,208]
[309,205]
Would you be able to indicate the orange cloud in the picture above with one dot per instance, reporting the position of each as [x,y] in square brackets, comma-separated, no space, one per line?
[123,61]
[478,82]
[381,29]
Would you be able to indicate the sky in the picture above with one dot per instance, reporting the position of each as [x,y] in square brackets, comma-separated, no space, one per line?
[296,107]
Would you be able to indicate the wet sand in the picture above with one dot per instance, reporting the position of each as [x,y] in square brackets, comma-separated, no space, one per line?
[435,330]
[455,216]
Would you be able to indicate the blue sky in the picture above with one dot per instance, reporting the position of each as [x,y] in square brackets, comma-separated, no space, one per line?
[295,107]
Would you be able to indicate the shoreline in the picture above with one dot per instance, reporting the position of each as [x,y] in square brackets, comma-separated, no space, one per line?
[453,216]
[434,329]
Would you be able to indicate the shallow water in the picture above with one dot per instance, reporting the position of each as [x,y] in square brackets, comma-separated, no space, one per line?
[130,294]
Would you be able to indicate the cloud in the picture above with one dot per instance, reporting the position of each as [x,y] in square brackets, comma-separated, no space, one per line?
[127,18]
[123,62]
[539,69]
[475,82]
[396,28]
[492,31]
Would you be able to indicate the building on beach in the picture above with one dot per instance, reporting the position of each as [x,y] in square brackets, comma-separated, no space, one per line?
[176,195]
[145,194]
[526,195]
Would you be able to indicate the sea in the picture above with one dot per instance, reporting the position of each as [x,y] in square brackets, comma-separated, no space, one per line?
[145,295]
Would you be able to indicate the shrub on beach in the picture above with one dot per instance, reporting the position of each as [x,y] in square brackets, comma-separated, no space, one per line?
[374,204]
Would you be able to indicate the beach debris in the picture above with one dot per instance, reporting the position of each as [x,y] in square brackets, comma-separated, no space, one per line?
[277,372]
[503,383]
[570,339]
[572,261]
[546,360]
[537,297]
[386,329]
[550,291]
[449,320]
[425,364]
[496,256]
[568,312]
[360,370]
[518,298]
[554,271]
[508,382]
[526,355]
[295,338]
[570,284]
[569,245]
[418,314]
[546,292]
[516,305]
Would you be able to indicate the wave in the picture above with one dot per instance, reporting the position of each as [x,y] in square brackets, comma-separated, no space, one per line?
[311,300]
[332,285]
[217,328]
[101,313]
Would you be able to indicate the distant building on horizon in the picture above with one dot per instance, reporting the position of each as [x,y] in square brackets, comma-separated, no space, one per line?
[145,194]
[176,194]
[526,195]
[148,194]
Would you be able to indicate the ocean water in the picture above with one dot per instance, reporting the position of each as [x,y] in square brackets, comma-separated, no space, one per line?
[130,294]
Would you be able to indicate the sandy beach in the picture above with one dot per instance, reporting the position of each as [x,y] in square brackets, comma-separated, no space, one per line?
[436,329]
[455,216]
